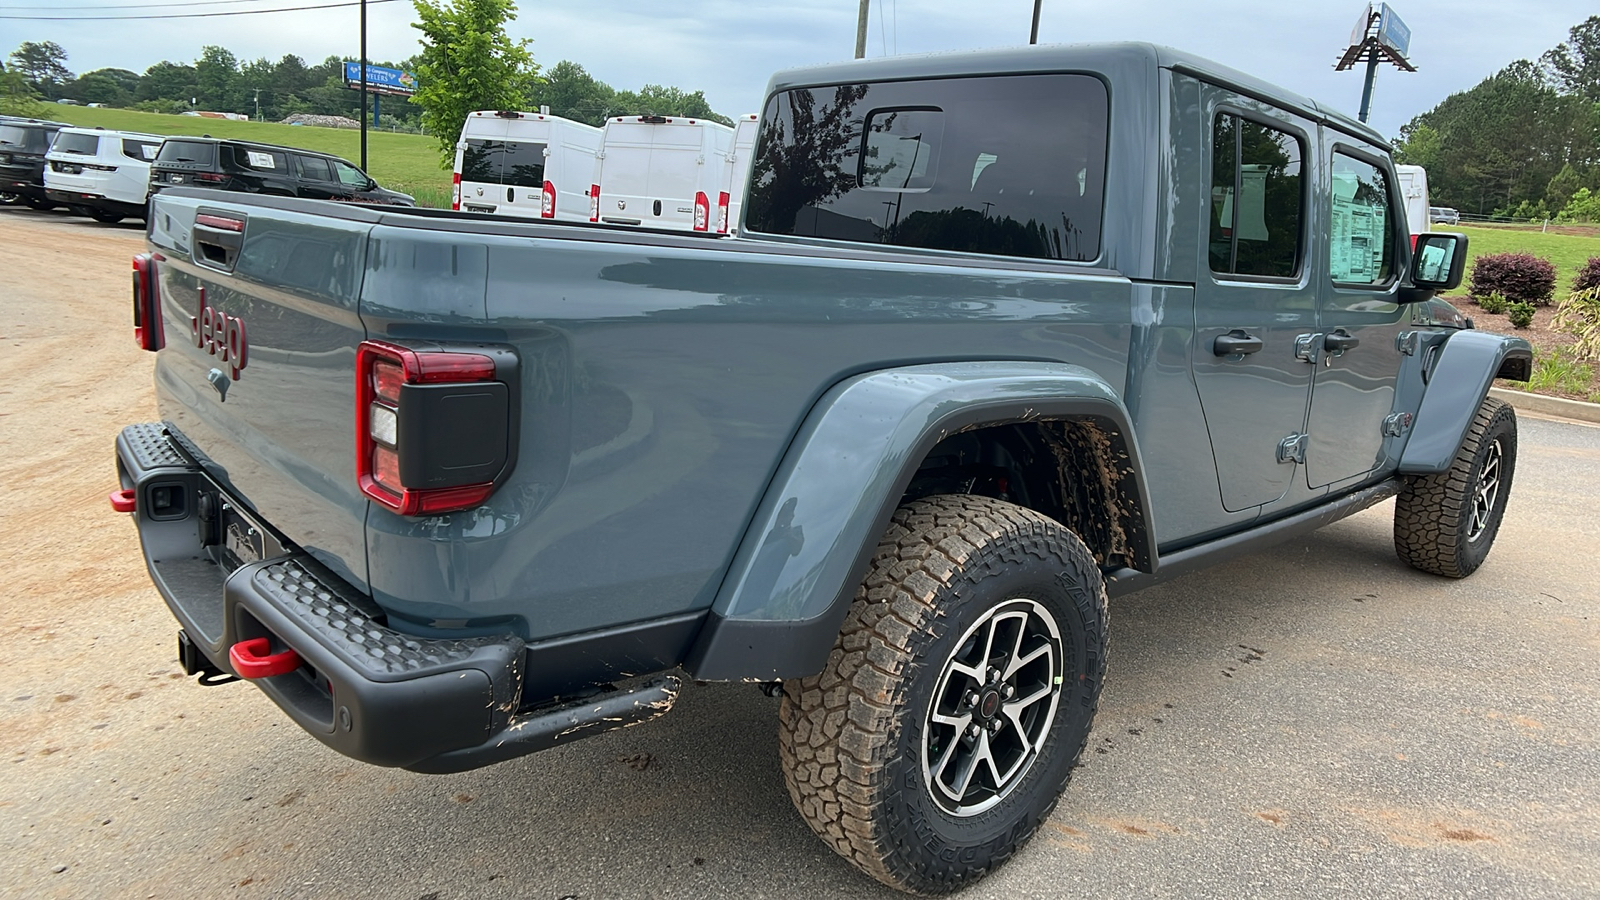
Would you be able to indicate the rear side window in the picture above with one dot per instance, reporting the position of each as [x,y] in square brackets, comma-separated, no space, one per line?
[1257,199]
[1361,235]
[201,153]
[261,160]
[144,151]
[519,163]
[24,139]
[314,168]
[73,142]
[1008,166]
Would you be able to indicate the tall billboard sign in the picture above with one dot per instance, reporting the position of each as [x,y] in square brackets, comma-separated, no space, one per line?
[380,80]
[1393,33]
[1378,37]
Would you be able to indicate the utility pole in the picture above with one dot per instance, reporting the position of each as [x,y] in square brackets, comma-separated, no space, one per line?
[363,85]
[1033,36]
[861,29]
[258,103]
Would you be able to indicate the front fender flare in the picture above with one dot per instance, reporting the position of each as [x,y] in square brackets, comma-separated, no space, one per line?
[795,573]
[1467,365]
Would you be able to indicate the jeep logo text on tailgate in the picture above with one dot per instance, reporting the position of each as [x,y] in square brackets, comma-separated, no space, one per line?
[221,335]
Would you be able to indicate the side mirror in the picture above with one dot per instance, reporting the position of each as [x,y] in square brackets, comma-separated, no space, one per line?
[1438,261]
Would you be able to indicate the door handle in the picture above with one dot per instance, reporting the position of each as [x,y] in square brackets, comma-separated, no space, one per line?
[1235,342]
[1339,341]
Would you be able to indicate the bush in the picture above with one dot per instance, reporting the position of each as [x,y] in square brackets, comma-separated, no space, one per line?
[1519,277]
[1588,276]
[1579,316]
[1491,303]
[1520,314]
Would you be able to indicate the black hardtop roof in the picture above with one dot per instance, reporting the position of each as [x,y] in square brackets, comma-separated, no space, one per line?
[1059,58]
[256,145]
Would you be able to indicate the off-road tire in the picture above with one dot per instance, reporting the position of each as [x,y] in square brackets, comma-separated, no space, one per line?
[1433,515]
[104,217]
[851,739]
[38,204]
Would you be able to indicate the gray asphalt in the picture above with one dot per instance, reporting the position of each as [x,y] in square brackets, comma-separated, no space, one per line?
[1317,720]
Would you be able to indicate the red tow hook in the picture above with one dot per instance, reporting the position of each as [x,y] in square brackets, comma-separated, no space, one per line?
[251,660]
[123,501]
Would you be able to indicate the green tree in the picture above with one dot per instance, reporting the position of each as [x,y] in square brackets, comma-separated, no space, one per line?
[16,95]
[655,100]
[1575,65]
[573,93]
[217,79]
[168,81]
[43,66]
[100,87]
[468,62]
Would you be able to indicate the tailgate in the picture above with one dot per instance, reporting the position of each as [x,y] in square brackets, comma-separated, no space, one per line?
[258,369]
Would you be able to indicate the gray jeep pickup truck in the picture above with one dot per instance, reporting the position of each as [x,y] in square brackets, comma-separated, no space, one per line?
[1004,334]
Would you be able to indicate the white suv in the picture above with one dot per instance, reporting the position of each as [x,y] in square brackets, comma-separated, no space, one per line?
[103,174]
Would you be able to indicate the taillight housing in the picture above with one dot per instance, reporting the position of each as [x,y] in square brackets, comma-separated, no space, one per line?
[594,202]
[147,330]
[702,211]
[210,177]
[435,429]
[547,201]
[455,191]
[722,212]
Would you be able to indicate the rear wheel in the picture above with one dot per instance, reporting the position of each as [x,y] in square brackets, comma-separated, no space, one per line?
[957,697]
[37,203]
[102,216]
[9,199]
[1446,523]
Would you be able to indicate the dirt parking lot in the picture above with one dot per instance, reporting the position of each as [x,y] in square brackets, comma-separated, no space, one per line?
[1314,721]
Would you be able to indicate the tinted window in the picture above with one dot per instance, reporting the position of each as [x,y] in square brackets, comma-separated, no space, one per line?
[1257,199]
[480,161]
[314,168]
[349,175]
[143,151]
[1011,166]
[25,139]
[519,163]
[73,142]
[261,160]
[1361,234]
[201,152]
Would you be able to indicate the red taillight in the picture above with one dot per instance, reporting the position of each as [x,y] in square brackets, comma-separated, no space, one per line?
[211,177]
[702,211]
[147,331]
[455,191]
[594,202]
[383,370]
[722,212]
[547,201]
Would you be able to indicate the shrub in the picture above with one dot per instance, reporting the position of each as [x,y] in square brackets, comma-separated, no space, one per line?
[1579,316]
[1519,277]
[1520,314]
[1588,276]
[1493,304]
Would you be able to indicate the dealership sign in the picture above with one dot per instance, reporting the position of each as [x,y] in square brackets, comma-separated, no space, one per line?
[381,80]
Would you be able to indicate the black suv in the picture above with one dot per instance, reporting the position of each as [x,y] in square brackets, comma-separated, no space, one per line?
[23,144]
[230,165]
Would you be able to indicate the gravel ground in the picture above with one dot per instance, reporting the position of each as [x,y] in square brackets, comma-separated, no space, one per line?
[1314,721]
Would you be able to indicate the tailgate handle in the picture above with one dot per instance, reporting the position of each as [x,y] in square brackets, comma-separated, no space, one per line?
[217,239]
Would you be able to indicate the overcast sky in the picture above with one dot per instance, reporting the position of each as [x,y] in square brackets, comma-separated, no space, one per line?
[728,48]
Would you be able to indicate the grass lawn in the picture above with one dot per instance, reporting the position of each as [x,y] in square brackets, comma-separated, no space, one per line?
[402,162]
[1567,251]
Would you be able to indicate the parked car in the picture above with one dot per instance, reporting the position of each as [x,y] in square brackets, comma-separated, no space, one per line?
[526,164]
[104,174]
[1444,215]
[249,167]
[665,172]
[23,145]
[1004,334]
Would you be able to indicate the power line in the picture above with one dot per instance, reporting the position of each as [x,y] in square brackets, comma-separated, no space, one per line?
[136,5]
[208,15]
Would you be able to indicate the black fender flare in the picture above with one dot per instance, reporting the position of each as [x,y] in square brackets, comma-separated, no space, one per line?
[1458,380]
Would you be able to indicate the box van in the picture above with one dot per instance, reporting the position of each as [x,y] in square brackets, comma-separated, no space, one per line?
[664,172]
[104,174]
[526,164]
[1413,182]
[738,168]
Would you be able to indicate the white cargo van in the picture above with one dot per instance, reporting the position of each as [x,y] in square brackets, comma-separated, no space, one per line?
[665,172]
[1414,194]
[528,164]
[739,161]
[102,174]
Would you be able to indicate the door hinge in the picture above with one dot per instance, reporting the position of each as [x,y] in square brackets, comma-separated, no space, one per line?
[1406,342]
[1396,424]
[1306,347]
[1292,449]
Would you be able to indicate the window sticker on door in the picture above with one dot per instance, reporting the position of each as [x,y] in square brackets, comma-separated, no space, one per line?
[1358,232]
[149,150]
[260,160]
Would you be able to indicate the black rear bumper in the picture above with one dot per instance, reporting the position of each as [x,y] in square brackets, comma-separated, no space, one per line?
[364,689]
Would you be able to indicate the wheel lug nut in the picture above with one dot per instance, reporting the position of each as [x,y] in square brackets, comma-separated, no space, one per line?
[1008,690]
[972,698]
[973,729]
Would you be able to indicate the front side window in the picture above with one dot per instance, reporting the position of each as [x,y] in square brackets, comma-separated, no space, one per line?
[1361,235]
[1257,199]
[349,175]
[1006,165]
